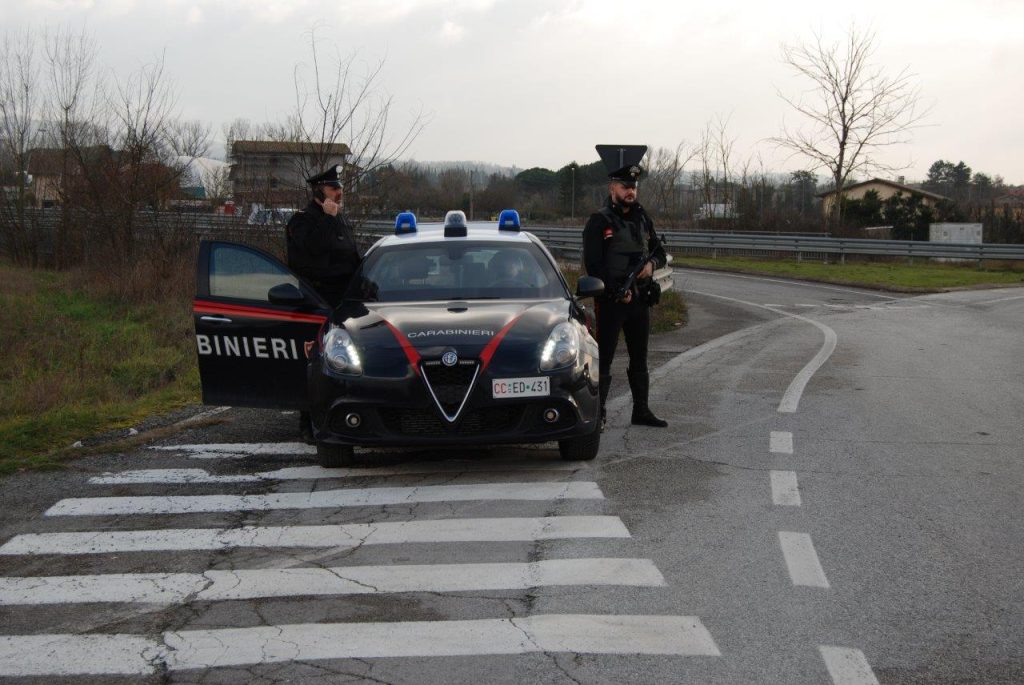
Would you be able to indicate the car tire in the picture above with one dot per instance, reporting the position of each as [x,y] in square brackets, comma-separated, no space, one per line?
[582,448]
[335,456]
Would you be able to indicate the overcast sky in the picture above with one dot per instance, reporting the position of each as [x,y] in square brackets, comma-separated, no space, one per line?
[539,82]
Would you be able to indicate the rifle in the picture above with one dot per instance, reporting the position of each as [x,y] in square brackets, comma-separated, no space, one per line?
[630,281]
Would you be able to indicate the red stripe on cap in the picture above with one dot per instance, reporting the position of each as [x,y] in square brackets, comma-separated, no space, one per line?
[485,356]
[204,307]
[410,352]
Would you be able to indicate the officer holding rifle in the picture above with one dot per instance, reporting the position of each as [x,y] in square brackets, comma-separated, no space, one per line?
[621,248]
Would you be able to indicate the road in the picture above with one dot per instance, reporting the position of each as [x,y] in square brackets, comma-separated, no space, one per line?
[836,499]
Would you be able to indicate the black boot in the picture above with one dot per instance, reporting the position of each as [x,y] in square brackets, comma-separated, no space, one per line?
[639,385]
[603,386]
[305,428]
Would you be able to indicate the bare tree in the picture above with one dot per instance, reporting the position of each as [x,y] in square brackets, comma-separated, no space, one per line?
[21,110]
[665,178]
[334,103]
[713,180]
[852,109]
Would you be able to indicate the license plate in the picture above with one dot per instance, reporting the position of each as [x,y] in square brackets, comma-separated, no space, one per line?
[521,387]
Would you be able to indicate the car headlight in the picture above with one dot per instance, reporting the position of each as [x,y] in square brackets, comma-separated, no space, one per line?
[340,352]
[561,349]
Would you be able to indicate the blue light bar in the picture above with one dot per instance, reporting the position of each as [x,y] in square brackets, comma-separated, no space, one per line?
[508,220]
[405,223]
[455,224]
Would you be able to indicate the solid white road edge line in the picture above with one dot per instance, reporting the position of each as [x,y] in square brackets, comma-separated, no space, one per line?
[791,398]
[785,489]
[802,560]
[780,442]
[352,497]
[343,535]
[214,586]
[847,666]
[24,655]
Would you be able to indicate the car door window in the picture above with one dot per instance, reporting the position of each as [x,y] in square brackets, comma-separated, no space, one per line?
[237,272]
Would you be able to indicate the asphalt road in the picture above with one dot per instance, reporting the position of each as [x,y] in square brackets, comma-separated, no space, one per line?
[836,500]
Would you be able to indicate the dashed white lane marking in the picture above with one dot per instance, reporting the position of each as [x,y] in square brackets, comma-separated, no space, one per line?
[353,497]
[176,588]
[785,489]
[780,442]
[347,535]
[847,666]
[170,476]
[802,560]
[195,649]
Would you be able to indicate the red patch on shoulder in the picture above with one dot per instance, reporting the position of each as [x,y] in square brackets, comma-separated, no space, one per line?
[608,233]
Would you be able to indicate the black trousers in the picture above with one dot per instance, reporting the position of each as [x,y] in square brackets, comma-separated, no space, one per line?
[634,320]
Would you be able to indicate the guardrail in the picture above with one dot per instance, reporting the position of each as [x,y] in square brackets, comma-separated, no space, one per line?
[569,243]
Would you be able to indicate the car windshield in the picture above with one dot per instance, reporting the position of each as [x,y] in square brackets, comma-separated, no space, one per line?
[440,271]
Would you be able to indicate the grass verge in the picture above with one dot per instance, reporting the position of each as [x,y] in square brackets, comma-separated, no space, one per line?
[668,315]
[896,276]
[76,364]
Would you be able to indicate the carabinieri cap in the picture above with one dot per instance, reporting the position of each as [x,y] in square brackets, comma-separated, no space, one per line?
[623,162]
[331,177]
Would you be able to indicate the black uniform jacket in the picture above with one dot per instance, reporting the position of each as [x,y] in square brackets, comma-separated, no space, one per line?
[600,232]
[322,249]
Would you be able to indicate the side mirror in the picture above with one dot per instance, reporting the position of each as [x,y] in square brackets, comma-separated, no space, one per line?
[589,286]
[287,294]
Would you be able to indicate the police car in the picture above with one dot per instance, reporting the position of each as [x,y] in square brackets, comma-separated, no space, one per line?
[450,333]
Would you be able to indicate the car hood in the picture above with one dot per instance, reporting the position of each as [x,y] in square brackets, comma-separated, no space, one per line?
[507,334]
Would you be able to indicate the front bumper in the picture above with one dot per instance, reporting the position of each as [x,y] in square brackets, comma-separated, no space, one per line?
[401,411]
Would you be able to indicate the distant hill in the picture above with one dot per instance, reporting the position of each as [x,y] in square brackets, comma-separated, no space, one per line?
[484,168]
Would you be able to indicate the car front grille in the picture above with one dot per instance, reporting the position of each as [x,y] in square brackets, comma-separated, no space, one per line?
[449,384]
[493,420]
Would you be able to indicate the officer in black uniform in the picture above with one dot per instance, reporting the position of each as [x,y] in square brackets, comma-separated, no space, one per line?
[322,249]
[616,240]
[321,243]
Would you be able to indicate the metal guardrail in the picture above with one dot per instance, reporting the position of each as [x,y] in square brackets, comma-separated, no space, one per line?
[564,243]
[570,243]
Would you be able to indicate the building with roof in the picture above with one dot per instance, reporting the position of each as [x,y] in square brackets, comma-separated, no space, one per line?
[884,188]
[274,173]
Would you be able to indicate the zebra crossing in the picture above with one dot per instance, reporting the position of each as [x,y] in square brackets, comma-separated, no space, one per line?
[553,485]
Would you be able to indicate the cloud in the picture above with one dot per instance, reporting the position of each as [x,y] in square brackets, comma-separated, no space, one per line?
[452,32]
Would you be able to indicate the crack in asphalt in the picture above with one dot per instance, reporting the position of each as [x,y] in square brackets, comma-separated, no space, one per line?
[553,656]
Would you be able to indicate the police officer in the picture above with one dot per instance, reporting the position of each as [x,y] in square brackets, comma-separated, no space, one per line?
[617,240]
[322,249]
[321,243]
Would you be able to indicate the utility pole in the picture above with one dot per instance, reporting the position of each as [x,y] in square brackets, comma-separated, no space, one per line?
[572,210]
[470,194]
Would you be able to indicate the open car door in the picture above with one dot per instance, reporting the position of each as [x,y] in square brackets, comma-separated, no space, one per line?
[252,318]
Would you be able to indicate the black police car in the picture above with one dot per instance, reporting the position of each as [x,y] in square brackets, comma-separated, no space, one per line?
[448,334]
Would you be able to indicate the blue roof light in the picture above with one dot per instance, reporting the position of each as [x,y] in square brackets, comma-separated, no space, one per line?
[508,220]
[405,223]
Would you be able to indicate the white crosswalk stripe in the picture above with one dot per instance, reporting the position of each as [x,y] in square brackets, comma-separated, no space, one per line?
[65,654]
[173,476]
[353,497]
[24,655]
[342,535]
[174,588]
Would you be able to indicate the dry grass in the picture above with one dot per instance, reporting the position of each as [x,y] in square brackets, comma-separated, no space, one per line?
[85,352]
